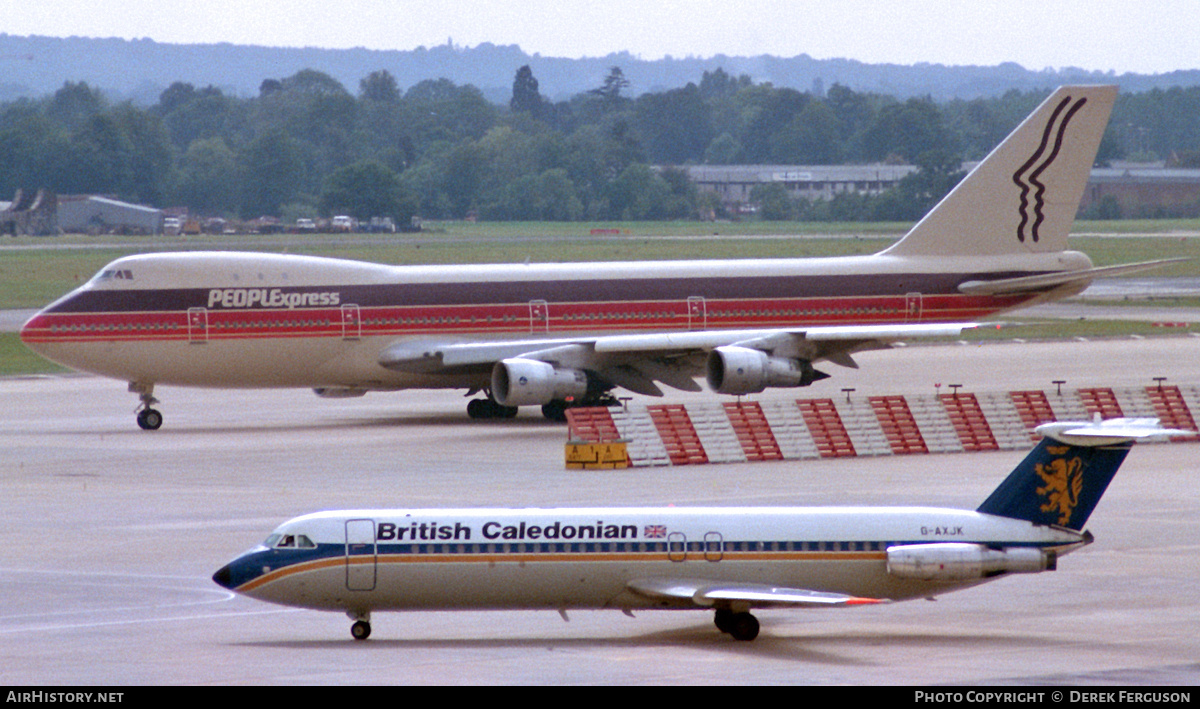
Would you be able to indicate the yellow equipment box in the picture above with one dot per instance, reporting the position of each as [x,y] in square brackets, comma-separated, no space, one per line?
[596,456]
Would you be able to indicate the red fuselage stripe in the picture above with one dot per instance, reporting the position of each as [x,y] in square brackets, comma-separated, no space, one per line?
[517,318]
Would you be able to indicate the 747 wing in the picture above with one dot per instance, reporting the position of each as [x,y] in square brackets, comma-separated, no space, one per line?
[544,370]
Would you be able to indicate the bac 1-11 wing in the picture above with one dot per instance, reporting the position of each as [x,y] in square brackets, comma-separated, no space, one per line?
[708,593]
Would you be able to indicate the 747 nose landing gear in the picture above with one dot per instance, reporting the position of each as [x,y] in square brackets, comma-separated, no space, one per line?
[148,418]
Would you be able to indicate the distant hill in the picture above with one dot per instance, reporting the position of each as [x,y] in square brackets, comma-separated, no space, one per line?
[141,69]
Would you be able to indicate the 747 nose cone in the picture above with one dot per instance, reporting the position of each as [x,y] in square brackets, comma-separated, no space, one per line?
[38,334]
[30,328]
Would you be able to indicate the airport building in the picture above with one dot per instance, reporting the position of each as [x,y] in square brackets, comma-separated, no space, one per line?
[89,214]
[1144,190]
[1138,189]
[733,183]
[46,214]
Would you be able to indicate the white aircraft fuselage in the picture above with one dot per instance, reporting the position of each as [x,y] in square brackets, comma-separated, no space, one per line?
[588,558]
[727,559]
[228,319]
[560,335]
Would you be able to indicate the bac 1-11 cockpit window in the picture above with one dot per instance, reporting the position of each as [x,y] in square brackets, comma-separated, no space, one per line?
[289,541]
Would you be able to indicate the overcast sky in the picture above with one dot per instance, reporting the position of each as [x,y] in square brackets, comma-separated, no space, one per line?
[1120,35]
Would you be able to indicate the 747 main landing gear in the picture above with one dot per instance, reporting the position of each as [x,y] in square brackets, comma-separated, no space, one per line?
[742,626]
[557,410]
[148,417]
[489,409]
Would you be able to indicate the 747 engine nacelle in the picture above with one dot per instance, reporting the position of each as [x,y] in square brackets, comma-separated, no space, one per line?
[525,382]
[742,370]
[963,562]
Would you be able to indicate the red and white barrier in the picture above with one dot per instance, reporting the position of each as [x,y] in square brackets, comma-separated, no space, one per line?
[727,432]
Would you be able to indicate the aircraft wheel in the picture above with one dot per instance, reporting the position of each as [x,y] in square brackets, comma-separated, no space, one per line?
[743,626]
[478,408]
[361,630]
[555,410]
[723,619]
[488,409]
[149,419]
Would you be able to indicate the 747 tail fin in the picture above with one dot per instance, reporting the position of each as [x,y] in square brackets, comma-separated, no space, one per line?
[1062,479]
[1023,197]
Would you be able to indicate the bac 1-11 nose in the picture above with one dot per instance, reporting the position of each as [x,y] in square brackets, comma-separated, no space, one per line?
[224,577]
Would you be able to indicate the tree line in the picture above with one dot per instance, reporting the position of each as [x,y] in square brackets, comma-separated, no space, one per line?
[306,146]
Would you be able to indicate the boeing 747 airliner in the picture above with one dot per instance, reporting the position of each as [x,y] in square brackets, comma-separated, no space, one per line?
[565,334]
[726,559]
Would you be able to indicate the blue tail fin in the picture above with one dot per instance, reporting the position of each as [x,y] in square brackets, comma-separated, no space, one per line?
[1062,479]
[1057,483]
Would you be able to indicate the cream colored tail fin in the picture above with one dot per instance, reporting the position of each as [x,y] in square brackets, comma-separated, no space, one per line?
[1023,197]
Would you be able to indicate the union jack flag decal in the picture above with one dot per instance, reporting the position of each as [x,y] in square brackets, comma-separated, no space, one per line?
[656,531]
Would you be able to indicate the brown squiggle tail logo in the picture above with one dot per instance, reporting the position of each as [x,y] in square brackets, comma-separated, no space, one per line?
[1032,216]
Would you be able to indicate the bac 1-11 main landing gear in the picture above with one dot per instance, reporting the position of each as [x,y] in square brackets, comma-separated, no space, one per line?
[361,628]
[742,626]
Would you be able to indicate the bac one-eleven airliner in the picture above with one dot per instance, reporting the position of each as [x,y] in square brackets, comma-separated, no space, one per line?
[726,559]
[561,334]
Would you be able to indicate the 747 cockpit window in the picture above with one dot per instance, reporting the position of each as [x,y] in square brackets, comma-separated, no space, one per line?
[108,274]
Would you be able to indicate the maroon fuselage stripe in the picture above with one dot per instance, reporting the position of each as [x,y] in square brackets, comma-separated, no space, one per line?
[116,321]
[600,291]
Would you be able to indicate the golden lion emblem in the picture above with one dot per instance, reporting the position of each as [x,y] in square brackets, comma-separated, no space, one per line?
[1064,482]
